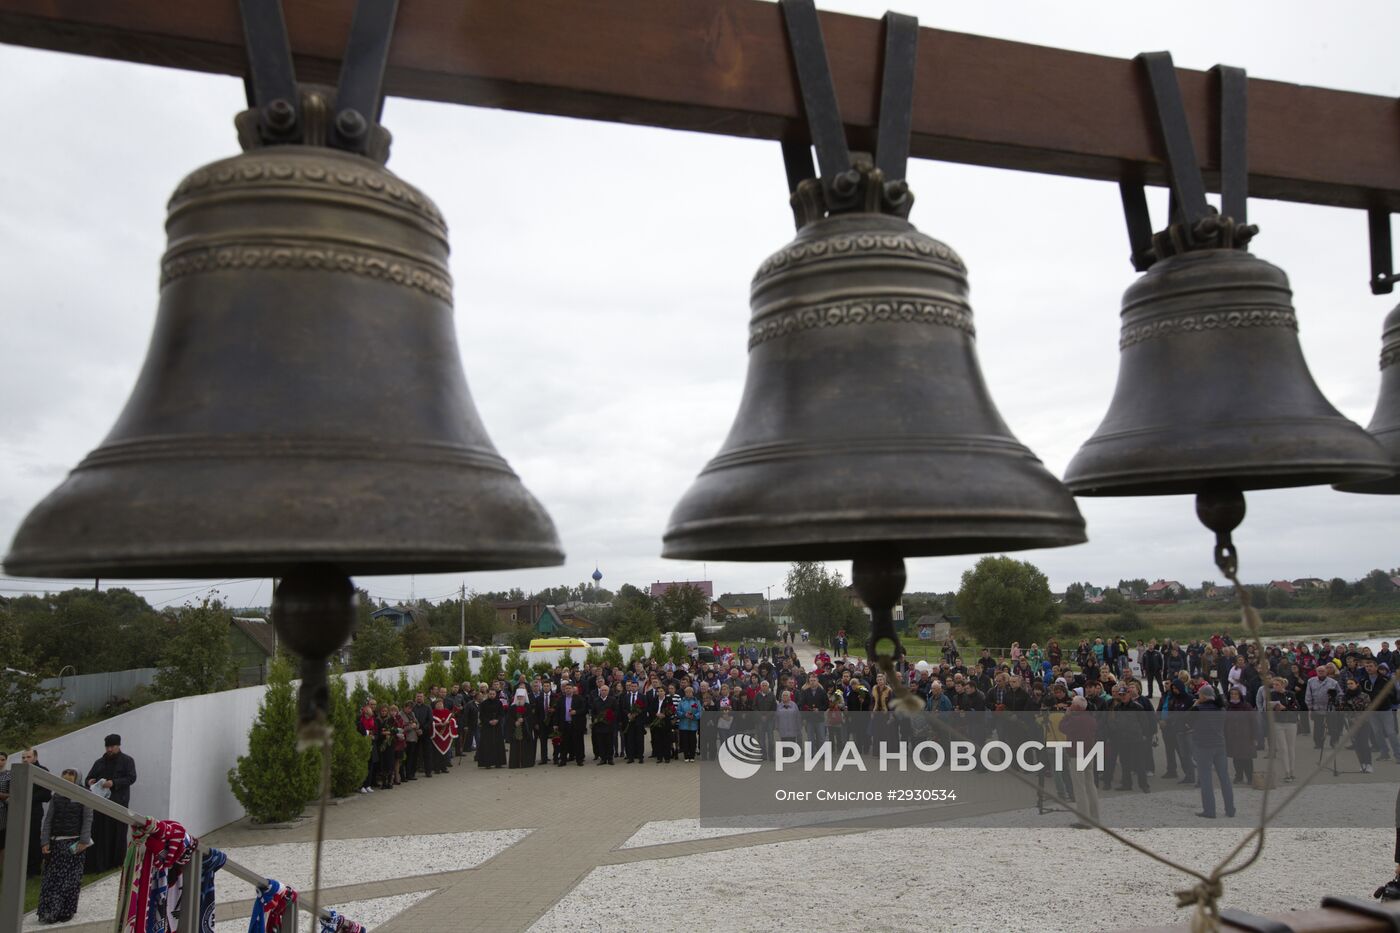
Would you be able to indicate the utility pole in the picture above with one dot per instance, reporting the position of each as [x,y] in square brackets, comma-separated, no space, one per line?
[462,638]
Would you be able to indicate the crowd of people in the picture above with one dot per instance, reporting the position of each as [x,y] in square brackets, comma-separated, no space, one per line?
[66,838]
[663,712]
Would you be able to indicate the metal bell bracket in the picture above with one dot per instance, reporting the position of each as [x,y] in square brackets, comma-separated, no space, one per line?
[1193,224]
[1382,267]
[281,113]
[849,182]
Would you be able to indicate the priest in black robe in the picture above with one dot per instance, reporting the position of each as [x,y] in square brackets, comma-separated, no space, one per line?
[110,776]
[491,753]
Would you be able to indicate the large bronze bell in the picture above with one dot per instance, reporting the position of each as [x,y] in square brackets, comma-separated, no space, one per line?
[302,401]
[865,425]
[1385,423]
[1212,385]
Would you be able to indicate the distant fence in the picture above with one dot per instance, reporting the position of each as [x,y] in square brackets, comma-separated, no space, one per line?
[86,693]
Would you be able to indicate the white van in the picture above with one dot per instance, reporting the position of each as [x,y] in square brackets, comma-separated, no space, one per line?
[687,638]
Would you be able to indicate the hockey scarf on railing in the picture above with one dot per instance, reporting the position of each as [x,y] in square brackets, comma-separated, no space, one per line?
[270,906]
[163,844]
[214,859]
[335,923]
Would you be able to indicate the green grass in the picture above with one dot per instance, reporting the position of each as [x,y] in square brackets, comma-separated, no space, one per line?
[52,730]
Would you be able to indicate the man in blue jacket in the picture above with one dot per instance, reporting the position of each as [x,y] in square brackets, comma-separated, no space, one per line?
[1208,740]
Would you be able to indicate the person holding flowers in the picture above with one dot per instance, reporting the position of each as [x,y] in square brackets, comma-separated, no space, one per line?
[634,739]
[602,709]
[663,728]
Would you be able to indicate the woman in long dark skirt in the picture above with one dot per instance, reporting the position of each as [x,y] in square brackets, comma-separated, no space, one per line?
[492,751]
[520,731]
[64,837]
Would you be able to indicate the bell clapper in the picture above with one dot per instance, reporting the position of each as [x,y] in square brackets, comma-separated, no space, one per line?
[880,582]
[1220,507]
[313,611]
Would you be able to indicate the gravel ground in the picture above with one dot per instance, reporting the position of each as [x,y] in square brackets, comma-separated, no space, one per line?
[343,862]
[1043,876]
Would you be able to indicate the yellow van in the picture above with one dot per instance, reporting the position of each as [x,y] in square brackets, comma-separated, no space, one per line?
[558,644]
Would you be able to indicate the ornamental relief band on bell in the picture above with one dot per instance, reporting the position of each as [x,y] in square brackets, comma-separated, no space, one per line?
[1210,320]
[861,312]
[857,243]
[311,257]
[377,185]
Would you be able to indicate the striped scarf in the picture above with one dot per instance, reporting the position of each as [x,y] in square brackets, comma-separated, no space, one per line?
[162,845]
[333,922]
[214,859]
[270,906]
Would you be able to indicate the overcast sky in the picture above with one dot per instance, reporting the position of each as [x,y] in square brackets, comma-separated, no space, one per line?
[602,276]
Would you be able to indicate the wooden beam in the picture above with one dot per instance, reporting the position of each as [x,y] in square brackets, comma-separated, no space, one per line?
[722,66]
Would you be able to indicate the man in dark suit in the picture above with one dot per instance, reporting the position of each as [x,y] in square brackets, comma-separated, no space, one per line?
[544,702]
[602,708]
[571,719]
[634,721]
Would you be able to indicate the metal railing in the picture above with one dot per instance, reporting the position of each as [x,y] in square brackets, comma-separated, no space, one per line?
[24,778]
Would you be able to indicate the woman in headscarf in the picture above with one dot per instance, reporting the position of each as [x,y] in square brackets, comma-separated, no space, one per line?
[491,752]
[1240,734]
[520,730]
[64,835]
[1355,701]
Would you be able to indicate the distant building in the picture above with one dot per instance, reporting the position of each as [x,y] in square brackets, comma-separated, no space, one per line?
[1165,589]
[1283,585]
[253,643]
[578,623]
[706,587]
[521,612]
[398,616]
[741,604]
[935,627]
[859,603]
[1310,583]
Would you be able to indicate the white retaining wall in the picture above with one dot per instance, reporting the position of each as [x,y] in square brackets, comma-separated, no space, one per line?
[184,748]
